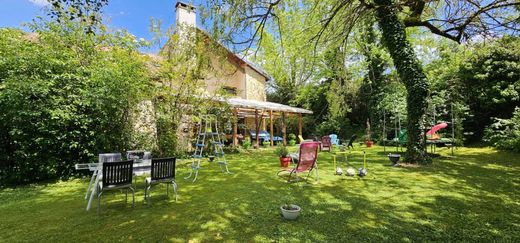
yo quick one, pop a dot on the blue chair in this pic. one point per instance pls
(334, 139)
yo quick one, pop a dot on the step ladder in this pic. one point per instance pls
(209, 136)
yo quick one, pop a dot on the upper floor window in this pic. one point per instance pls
(230, 90)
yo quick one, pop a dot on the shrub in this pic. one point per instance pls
(246, 144)
(65, 96)
(266, 143)
(505, 133)
(292, 139)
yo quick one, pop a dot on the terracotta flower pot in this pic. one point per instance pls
(285, 161)
(369, 143)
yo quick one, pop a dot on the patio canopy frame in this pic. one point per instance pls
(261, 110)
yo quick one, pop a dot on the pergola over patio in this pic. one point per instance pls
(260, 110)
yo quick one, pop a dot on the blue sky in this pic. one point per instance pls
(132, 15)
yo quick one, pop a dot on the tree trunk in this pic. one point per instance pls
(410, 72)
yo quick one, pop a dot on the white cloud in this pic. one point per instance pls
(40, 3)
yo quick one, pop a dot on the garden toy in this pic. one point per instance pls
(307, 160)
(350, 171)
(363, 171)
(339, 171)
(436, 128)
(211, 130)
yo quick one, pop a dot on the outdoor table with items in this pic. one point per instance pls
(140, 165)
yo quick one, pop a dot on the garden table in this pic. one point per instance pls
(140, 166)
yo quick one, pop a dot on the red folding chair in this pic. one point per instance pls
(306, 161)
(326, 143)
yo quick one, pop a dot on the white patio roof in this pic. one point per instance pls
(263, 105)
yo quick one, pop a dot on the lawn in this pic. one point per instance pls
(472, 196)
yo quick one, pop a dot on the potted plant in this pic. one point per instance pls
(283, 153)
(290, 211)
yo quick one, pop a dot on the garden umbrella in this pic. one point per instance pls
(437, 128)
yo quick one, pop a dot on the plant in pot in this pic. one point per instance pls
(283, 153)
(290, 211)
(368, 140)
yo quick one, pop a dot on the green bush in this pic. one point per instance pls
(246, 144)
(505, 133)
(292, 139)
(266, 143)
(65, 96)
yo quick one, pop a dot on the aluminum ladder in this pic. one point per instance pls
(208, 136)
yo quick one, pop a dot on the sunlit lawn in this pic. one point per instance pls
(473, 196)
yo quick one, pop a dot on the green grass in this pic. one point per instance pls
(472, 196)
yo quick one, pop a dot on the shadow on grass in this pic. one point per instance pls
(469, 197)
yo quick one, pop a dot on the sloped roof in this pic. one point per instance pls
(263, 105)
(244, 60)
(252, 65)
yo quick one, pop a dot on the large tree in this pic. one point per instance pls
(456, 20)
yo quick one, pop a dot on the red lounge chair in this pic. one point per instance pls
(307, 160)
(326, 143)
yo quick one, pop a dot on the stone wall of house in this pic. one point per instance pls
(225, 73)
(255, 85)
(145, 130)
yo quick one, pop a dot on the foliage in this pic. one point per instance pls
(246, 144)
(471, 197)
(282, 151)
(87, 12)
(65, 96)
(179, 100)
(410, 72)
(490, 77)
(292, 139)
(505, 133)
(266, 143)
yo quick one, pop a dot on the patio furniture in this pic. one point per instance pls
(97, 168)
(326, 143)
(302, 140)
(116, 175)
(139, 156)
(334, 139)
(162, 171)
(107, 157)
(351, 141)
(307, 160)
